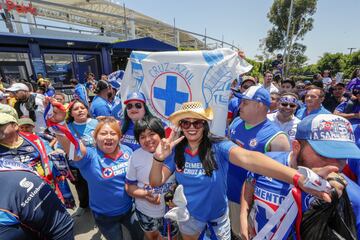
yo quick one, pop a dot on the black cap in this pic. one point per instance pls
(101, 85)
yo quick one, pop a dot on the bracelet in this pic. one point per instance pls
(296, 179)
(158, 160)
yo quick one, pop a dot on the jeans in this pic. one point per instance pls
(111, 226)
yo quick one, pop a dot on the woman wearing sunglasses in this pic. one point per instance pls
(135, 109)
(284, 118)
(200, 162)
(104, 168)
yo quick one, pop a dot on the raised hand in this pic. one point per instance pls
(166, 145)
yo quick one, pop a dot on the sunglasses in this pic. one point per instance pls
(291, 105)
(136, 105)
(184, 124)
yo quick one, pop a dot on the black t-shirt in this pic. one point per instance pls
(30, 209)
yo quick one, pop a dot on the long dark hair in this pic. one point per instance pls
(206, 153)
(126, 121)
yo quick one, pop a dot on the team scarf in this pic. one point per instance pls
(290, 209)
(58, 128)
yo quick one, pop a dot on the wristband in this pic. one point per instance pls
(296, 178)
(158, 160)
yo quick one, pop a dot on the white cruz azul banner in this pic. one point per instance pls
(169, 79)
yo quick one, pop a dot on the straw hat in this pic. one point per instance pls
(191, 110)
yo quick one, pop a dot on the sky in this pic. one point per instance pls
(244, 22)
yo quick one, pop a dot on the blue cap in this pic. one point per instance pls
(259, 94)
(135, 96)
(329, 135)
(307, 82)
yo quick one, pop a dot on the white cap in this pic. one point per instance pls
(17, 87)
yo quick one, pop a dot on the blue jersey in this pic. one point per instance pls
(302, 113)
(28, 202)
(269, 193)
(206, 196)
(100, 107)
(255, 139)
(106, 181)
(354, 109)
(128, 138)
(84, 131)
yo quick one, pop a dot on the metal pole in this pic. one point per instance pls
(205, 40)
(351, 49)
(125, 26)
(286, 50)
(175, 40)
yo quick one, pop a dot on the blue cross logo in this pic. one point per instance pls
(107, 172)
(170, 95)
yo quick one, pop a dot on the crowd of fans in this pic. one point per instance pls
(129, 163)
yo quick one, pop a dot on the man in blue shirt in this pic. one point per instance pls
(351, 109)
(321, 140)
(253, 131)
(101, 105)
(313, 103)
(80, 91)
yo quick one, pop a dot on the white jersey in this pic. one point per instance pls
(139, 171)
(288, 127)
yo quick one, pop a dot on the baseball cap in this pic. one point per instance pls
(329, 135)
(6, 118)
(4, 108)
(259, 94)
(26, 121)
(135, 96)
(307, 82)
(17, 87)
(101, 85)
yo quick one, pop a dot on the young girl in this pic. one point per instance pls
(149, 202)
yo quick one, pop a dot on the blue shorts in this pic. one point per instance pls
(149, 224)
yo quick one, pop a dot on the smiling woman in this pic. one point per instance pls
(104, 168)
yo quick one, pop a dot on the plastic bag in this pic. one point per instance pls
(330, 221)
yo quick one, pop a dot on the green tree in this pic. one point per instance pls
(335, 62)
(301, 23)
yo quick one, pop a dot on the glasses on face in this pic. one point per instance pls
(291, 105)
(184, 124)
(136, 105)
(356, 92)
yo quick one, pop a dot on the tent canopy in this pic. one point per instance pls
(144, 44)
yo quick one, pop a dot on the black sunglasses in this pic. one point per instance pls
(136, 105)
(184, 124)
(291, 105)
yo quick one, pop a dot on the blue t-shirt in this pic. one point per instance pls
(302, 113)
(84, 131)
(100, 107)
(255, 139)
(128, 138)
(106, 181)
(355, 109)
(206, 196)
